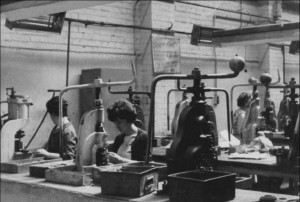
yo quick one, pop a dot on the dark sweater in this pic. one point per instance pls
(69, 142)
(138, 146)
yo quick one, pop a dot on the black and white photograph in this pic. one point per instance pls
(149, 101)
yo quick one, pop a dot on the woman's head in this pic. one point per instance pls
(244, 99)
(121, 109)
(123, 114)
(53, 107)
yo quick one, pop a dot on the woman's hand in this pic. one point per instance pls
(115, 158)
(46, 154)
(42, 152)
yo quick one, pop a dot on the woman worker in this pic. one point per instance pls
(69, 142)
(243, 101)
(131, 144)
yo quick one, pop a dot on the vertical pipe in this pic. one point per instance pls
(283, 63)
(168, 106)
(68, 53)
(215, 67)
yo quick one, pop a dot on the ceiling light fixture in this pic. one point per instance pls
(49, 23)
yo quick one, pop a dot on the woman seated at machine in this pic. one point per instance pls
(131, 144)
(69, 140)
(243, 101)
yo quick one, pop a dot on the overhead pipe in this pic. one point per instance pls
(130, 91)
(225, 10)
(96, 23)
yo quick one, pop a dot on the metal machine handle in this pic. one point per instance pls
(148, 184)
(129, 91)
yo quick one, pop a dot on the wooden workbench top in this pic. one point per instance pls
(23, 187)
(266, 166)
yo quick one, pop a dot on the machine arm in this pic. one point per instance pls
(130, 91)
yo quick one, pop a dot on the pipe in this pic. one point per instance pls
(180, 88)
(227, 105)
(283, 63)
(152, 107)
(129, 91)
(168, 106)
(97, 83)
(285, 86)
(90, 22)
(221, 9)
(68, 53)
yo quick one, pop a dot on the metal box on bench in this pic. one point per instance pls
(201, 186)
(134, 181)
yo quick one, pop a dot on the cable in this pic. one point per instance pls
(36, 131)
(39, 125)
(231, 11)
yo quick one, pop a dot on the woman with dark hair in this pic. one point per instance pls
(131, 144)
(243, 101)
(69, 139)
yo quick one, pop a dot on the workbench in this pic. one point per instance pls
(264, 167)
(24, 188)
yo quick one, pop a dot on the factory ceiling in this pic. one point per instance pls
(23, 9)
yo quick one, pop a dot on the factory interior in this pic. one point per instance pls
(150, 100)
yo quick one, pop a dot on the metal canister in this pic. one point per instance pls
(18, 107)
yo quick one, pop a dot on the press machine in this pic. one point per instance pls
(288, 109)
(91, 133)
(195, 142)
(269, 117)
(11, 129)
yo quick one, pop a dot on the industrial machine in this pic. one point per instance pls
(92, 145)
(257, 118)
(288, 109)
(91, 133)
(12, 127)
(269, 121)
(195, 141)
(136, 101)
(251, 82)
(251, 120)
